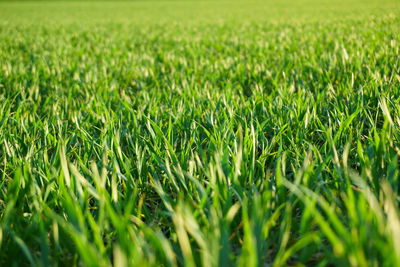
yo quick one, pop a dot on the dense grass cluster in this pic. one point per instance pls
(200, 133)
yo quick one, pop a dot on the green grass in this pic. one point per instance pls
(204, 133)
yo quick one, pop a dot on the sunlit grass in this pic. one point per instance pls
(200, 133)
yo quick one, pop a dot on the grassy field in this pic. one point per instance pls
(207, 133)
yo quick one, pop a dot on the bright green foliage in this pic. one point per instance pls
(200, 133)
